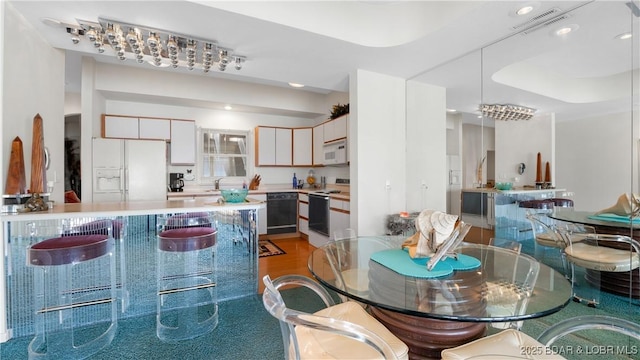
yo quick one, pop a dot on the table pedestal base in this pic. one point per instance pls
(425, 337)
(616, 282)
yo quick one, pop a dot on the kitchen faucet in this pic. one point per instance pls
(217, 183)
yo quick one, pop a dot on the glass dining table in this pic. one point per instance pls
(431, 311)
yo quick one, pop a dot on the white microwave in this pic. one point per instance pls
(335, 153)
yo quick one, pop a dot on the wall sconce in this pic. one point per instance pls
(157, 47)
(507, 112)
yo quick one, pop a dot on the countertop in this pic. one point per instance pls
(132, 208)
(207, 191)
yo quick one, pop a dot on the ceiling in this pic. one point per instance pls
(319, 43)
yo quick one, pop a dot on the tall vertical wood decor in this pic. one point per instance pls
(16, 178)
(38, 170)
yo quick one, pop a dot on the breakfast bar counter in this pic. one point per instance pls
(136, 249)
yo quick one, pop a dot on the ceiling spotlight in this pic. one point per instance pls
(74, 35)
(296, 85)
(238, 64)
(565, 30)
(228, 107)
(624, 36)
(524, 10)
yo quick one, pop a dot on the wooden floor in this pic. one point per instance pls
(293, 262)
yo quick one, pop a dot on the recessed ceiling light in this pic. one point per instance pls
(565, 30)
(524, 10)
(228, 107)
(624, 36)
(295, 85)
(451, 110)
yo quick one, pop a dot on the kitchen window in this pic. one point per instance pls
(223, 154)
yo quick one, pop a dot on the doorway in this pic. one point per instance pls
(72, 180)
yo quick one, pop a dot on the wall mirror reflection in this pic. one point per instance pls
(576, 66)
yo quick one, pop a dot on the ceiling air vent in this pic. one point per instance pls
(545, 24)
(534, 20)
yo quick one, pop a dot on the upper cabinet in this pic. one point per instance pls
(336, 129)
(302, 147)
(154, 129)
(120, 127)
(274, 146)
(183, 142)
(131, 127)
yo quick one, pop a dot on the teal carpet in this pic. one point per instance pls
(245, 331)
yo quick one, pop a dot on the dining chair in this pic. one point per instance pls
(352, 271)
(514, 344)
(547, 237)
(595, 255)
(505, 296)
(339, 331)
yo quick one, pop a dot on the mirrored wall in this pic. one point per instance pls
(576, 65)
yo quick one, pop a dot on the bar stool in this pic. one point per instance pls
(118, 228)
(541, 239)
(561, 202)
(186, 278)
(75, 296)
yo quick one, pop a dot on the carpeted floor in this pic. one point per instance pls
(247, 331)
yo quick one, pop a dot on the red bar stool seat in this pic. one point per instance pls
(187, 304)
(75, 296)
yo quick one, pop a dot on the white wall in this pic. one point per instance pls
(32, 85)
(594, 159)
(378, 137)
(426, 145)
(519, 142)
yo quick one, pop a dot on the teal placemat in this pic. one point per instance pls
(614, 218)
(399, 261)
(464, 262)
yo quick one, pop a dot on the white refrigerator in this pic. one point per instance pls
(129, 170)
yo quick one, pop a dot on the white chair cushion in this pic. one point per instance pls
(509, 342)
(602, 258)
(547, 240)
(356, 280)
(315, 344)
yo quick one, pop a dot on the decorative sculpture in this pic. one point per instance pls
(38, 167)
(625, 206)
(437, 235)
(16, 178)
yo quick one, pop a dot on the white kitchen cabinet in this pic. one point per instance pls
(303, 147)
(154, 129)
(266, 145)
(262, 213)
(120, 127)
(335, 129)
(318, 145)
(339, 215)
(274, 146)
(183, 142)
(303, 213)
(284, 146)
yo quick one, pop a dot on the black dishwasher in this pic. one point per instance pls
(282, 212)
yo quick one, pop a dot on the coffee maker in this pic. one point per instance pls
(176, 182)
